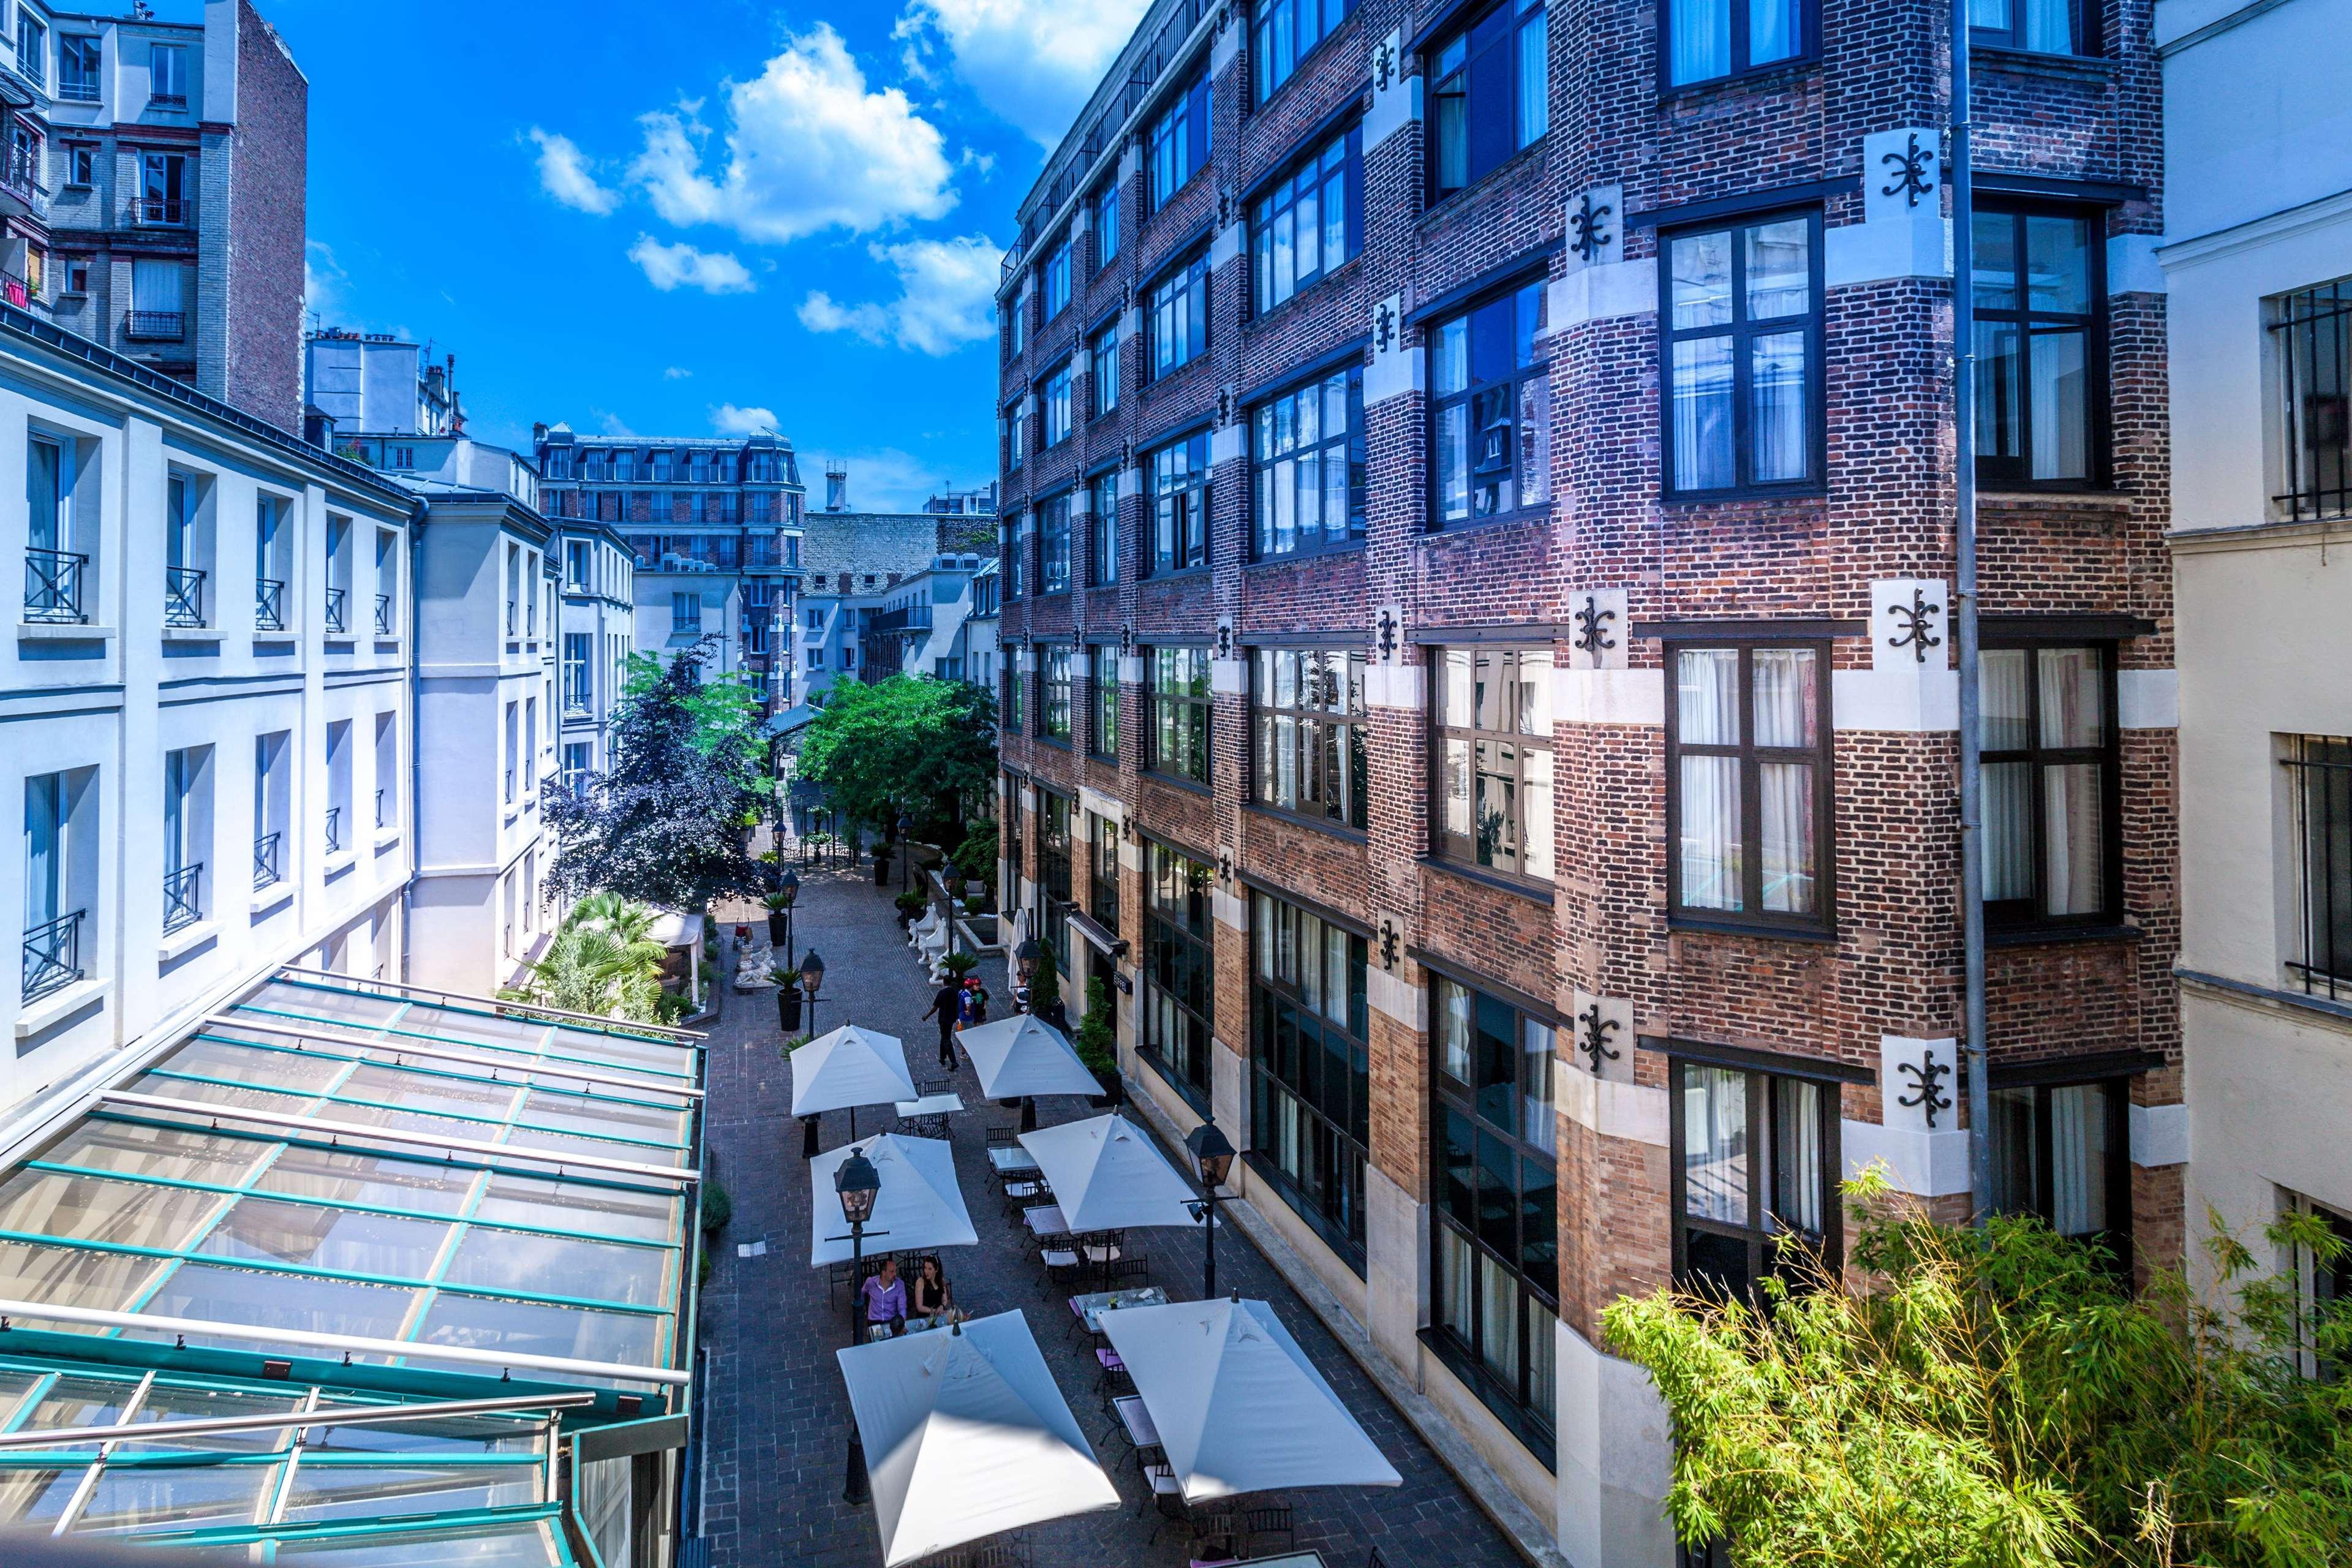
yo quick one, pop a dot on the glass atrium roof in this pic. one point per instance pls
(338, 1192)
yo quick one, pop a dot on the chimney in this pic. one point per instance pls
(836, 489)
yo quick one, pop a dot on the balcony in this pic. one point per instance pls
(53, 587)
(183, 596)
(379, 811)
(268, 604)
(53, 955)
(20, 176)
(183, 903)
(383, 614)
(339, 612)
(163, 212)
(335, 830)
(78, 89)
(268, 865)
(155, 326)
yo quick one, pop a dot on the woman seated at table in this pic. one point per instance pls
(886, 1299)
(931, 1298)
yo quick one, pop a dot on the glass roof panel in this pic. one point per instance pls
(455, 1023)
(343, 1239)
(81, 1401)
(87, 1208)
(525, 1327)
(599, 1148)
(382, 1181)
(431, 1091)
(625, 1050)
(349, 1491)
(580, 1205)
(605, 1117)
(498, 1546)
(170, 1153)
(253, 1063)
(326, 1002)
(167, 1402)
(552, 1266)
(244, 1096)
(137, 1501)
(408, 1121)
(456, 1436)
(63, 1277)
(223, 1295)
(13, 1387)
(36, 1497)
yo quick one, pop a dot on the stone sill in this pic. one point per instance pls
(46, 631)
(192, 633)
(273, 897)
(59, 1006)
(186, 940)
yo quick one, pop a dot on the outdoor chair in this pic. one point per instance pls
(1013, 1553)
(1131, 1272)
(1102, 1249)
(1167, 1496)
(1024, 1192)
(1376, 1559)
(1004, 1137)
(1262, 1520)
(1061, 1260)
(1112, 1383)
(926, 1086)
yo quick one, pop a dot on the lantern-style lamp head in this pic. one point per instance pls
(1024, 957)
(812, 973)
(856, 1181)
(790, 888)
(1212, 1152)
(906, 824)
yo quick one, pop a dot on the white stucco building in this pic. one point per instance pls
(2258, 262)
(208, 727)
(597, 623)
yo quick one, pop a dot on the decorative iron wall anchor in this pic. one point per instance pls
(1910, 180)
(1126, 638)
(1384, 328)
(1915, 622)
(1388, 944)
(1925, 1072)
(1587, 221)
(1589, 635)
(1592, 1032)
(1225, 639)
(1388, 636)
(1224, 865)
(1384, 64)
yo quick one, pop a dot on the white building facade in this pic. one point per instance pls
(2258, 263)
(206, 702)
(597, 625)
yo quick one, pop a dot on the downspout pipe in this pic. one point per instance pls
(416, 733)
(1964, 503)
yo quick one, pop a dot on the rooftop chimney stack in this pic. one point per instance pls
(836, 489)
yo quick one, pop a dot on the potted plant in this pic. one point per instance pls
(788, 999)
(777, 904)
(881, 865)
(911, 904)
(1097, 1043)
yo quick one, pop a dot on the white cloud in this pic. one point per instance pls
(565, 174)
(947, 297)
(885, 479)
(728, 420)
(808, 146)
(609, 423)
(668, 266)
(677, 373)
(1033, 62)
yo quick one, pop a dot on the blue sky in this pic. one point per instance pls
(697, 216)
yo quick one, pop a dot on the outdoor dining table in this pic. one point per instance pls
(931, 1105)
(1091, 1306)
(1136, 1420)
(1046, 1220)
(1011, 1159)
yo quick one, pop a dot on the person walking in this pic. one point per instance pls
(947, 1006)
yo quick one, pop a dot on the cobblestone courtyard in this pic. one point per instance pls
(776, 1416)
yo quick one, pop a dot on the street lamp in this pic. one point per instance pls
(856, 1183)
(906, 847)
(789, 889)
(812, 978)
(1213, 1156)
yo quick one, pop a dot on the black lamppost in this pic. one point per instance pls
(856, 1182)
(906, 849)
(1213, 1155)
(812, 980)
(789, 889)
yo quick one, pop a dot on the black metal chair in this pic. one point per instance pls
(1131, 1271)
(1003, 1138)
(1261, 1520)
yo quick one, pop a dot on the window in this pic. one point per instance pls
(2311, 340)
(1053, 279)
(162, 189)
(54, 589)
(1179, 504)
(1495, 1284)
(1054, 880)
(1103, 361)
(2045, 27)
(158, 303)
(1309, 222)
(1016, 319)
(273, 559)
(575, 672)
(1742, 325)
(272, 799)
(1024, 528)
(685, 613)
(1755, 1172)
(1492, 96)
(1177, 142)
(1102, 551)
(1284, 31)
(1180, 316)
(575, 564)
(167, 76)
(54, 907)
(77, 68)
(1054, 400)
(2040, 348)
(514, 590)
(1307, 462)
(1491, 410)
(184, 551)
(1102, 873)
(529, 747)
(1056, 706)
(186, 831)
(1016, 719)
(32, 40)
(2321, 773)
(387, 769)
(1179, 970)
(1310, 1069)
(1180, 713)
(514, 750)
(2051, 851)
(1008, 429)
(576, 767)
(1749, 805)
(1106, 224)
(2063, 1150)
(1710, 40)
(1103, 737)
(81, 169)
(1308, 734)
(1493, 732)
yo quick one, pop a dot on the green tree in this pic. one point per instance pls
(726, 715)
(911, 742)
(2003, 1399)
(592, 967)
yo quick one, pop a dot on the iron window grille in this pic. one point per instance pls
(1307, 464)
(2311, 335)
(268, 604)
(1179, 971)
(1492, 96)
(379, 810)
(53, 955)
(267, 867)
(2320, 772)
(1740, 318)
(383, 614)
(1750, 802)
(1310, 223)
(1102, 531)
(1491, 753)
(338, 609)
(2062, 1152)
(1310, 1069)
(1177, 144)
(53, 587)
(1285, 32)
(1494, 1241)
(1310, 738)
(2040, 348)
(1707, 40)
(1490, 411)
(1054, 544)
(183, 596)
(1055, 715)
(1753, 1168)
(184, 903)
(1180, 700)
(1178, 312)
(334, 829)
(1179, 476)
(2053, 790)
(1103, 736)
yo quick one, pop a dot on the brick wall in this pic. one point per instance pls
(262, 363)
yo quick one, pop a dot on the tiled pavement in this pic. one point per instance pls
(776, 1419)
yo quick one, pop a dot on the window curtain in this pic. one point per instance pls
(43, 477)
(1777, 400)
(1499, 1311)
(1454, 1031)
(1771, 31)
(1538, 1123)
(156, 286)
(1700, 45)
(1714, 1143)
(1535, 57)
(1708, 714)
(1787, 713)
(2072, 689)
(2050, 26)
(1797, 1197)
(2007, 787)
(1457, 1308)
(1702, 413)
(2078, 1159)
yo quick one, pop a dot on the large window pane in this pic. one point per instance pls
(1714, 1143)
(1703, 428)
(345, 1240)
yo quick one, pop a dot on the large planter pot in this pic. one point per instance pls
(788, 1009)
(775, 929)
(881, 870)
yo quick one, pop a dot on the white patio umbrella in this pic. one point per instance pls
(1108, 1174)
(1239, 1406)
(849, 1067)
(919, 1206)
(1023, 1057)
(967, 1436)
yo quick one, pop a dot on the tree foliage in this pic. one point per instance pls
(665, 824)
(911, 742)
(602, 962)
(726, 715)
(2003, 1400)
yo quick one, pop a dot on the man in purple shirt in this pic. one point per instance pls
(885, 1299)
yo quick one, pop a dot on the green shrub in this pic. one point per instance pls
(718, 1207)
(1096, 1042)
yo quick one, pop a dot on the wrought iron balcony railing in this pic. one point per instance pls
(379, 810)
(53, 955)
(335, 830)
(338, 609)
(267, 864)
(268, 604)
(183, 903)
(155, 326)
(20, 175)
(183, 596)
(383, 614)
(161, 212)
(53, 586)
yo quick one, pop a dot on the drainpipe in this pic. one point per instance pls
(1964, 502)
(415, 732)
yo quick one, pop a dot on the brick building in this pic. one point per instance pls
(1477, 505)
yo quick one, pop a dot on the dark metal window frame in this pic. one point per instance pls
(1341, 750)
(2116, 1239)
(2315, 418)
(2109, 755)
(1102, 873)
(2081, 38)
(1742, 332)
(1821, 756)
(1056, 412)
(1346, 1126)
(1180, 505)
(1187, 712)
(1184, 131)
(1305, 172)
(1054, 573)
(1762, 1238)
(1102, 732)
(1350, 445)
(2320, 773)
(1265, 16)
(1053, 279)
(1439, 730)
(1179, 951)
(1807, 52)
(1054, 884)
(1433, 52)
(1188, 280)
(2016, 473)
(1102, 370)
(1054, 710)
(1468, 398)
(1102, 531)
(1103, 208)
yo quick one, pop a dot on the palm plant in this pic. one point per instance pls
(602, 962)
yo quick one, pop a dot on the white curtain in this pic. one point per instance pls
(1457, 1299)
(1702, 413)
(156, 285)
(1700, 46)
(1777, 404)
(1498, 1307)
(2006, 726)
(1539, 1122)
(1797, 1197)
(1771, 30)
(1454, 1031)
(1536, 812)
(1785, 810)
(2072, 839)
(1714, 1143)
(2078, 1159)
(1708, 714)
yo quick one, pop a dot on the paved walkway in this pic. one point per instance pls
(776, 1419)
